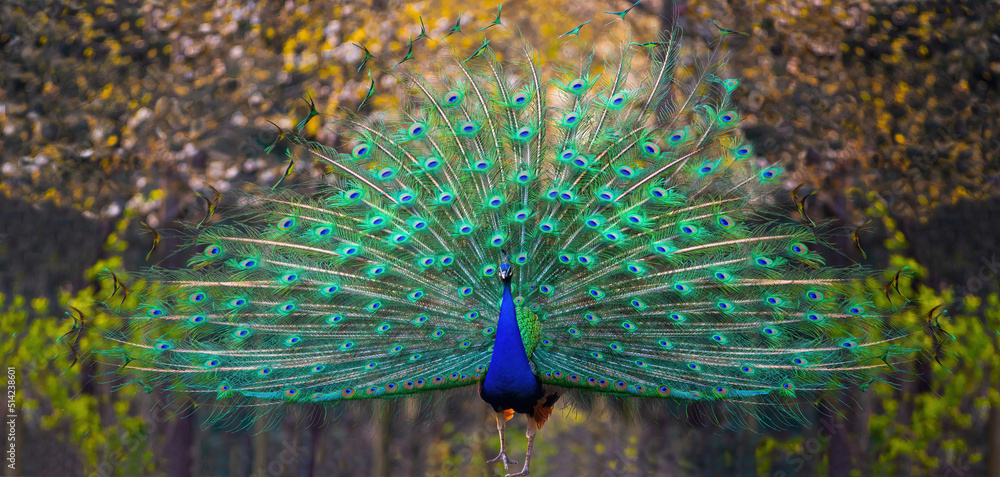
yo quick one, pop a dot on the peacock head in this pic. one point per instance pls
(505, 271)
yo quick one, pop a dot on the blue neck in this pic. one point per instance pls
(509, 374)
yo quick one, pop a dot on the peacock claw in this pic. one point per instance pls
(503, 458)
(523, 473)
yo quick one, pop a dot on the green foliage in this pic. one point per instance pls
(109, 438)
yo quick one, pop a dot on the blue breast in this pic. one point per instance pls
(509, 383)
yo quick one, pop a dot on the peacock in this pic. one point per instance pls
(607, 231)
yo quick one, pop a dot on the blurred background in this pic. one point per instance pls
(114, 113)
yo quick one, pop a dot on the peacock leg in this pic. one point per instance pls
(532, 429)
(501, 423)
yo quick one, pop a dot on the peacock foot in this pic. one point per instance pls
(522, 473)
(503, 458)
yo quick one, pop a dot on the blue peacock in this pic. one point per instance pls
(587, 234)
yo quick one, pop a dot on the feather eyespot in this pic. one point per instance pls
(469, 127)
(416, 130)
(213, 251)
(361, 150)
(651, 148)
(197, 319)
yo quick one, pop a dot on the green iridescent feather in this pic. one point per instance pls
(641, 225)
